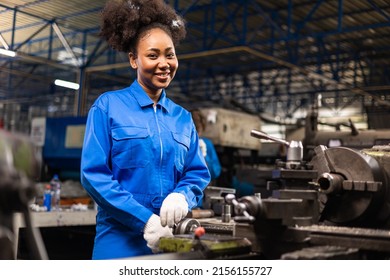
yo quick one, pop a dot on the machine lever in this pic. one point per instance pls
(262, 135)
(242, 215)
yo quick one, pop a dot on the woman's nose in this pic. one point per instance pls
(164, 64)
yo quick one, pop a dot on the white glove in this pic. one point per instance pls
(153, 231)
(173, 209)
(203, 147)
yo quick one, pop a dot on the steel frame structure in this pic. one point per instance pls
(273, 58)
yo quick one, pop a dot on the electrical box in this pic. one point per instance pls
(231, 128)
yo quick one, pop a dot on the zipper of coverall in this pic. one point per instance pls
(161, 145)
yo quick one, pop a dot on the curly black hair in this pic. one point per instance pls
(124, 21)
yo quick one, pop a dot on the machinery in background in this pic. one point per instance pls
(229, 128)
(354, 138)
(60, 141)
(335, 206)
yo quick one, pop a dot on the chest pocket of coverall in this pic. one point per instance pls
(131, 147)
(181, 150)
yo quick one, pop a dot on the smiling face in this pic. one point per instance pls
(155, 61)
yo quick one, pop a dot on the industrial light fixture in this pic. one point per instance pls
(66, 84)
(7, 52)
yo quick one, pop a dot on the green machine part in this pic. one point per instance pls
(215, 245)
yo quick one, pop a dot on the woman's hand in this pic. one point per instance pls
(153, 231)
(173, 209)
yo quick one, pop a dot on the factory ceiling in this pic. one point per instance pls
(274, 58)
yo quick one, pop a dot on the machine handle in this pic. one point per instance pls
(262, 135)
(242, 215)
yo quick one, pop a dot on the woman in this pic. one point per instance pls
(141, 160)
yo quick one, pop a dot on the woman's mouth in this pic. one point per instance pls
(163, 75)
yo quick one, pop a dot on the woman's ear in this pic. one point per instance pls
(132, 60)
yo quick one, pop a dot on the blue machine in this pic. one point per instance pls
(62, 146)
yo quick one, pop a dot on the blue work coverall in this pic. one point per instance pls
(134, 155)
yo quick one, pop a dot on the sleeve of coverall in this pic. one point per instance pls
(196, 175)
(96, 174)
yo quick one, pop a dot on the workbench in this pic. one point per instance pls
(64, 218)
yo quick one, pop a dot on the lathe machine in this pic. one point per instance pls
(336, 206)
